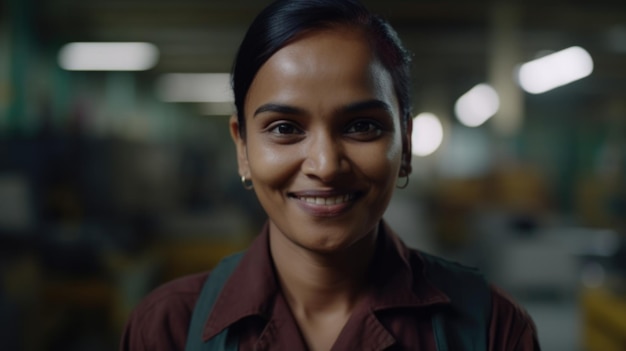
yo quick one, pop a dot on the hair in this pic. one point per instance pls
(279, 23)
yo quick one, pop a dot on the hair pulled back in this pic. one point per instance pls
(283, 20)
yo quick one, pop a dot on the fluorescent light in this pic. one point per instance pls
(555, 70)
(427, 134)
(195, 87)
(108, 56)
(477, 105)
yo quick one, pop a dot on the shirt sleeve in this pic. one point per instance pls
(511, 327)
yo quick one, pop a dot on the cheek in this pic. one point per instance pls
(381, 164)
(271, 166)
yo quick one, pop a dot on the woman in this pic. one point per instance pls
(322, 136)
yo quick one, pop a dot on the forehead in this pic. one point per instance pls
(325, 66)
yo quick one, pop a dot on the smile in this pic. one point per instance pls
(326, 200)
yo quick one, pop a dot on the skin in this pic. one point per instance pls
(323, 148)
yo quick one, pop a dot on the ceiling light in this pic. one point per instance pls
(195, 87)
(108, 56)
(477, 105)
(555, 70)
(427, 134)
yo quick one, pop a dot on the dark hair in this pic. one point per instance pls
(283, 20)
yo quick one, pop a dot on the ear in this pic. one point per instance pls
(240, 145)
(406, 167)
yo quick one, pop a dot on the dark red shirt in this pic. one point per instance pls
(397, 314)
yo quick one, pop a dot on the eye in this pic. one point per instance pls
(364, 128)
(283, 131)
(284, 128)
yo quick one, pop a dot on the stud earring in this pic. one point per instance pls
(247, 183)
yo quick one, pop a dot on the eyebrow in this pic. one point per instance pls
(373, 104)
(279, 108)
(355, 107)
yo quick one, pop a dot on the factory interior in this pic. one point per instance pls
(114, 180)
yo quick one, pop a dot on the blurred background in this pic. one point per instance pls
(117, 172)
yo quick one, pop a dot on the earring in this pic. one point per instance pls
(403, 174)
(247, 183)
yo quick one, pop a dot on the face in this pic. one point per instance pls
(324, 142)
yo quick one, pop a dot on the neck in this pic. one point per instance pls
(322, 283)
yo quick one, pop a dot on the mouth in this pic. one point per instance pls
(324, 204)
(326, 200)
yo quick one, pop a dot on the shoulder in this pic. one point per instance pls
(164, 316)
(176, 296)
(453, 278)
(511, 327)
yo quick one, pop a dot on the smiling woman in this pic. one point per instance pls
(309, 143)
(322, 133)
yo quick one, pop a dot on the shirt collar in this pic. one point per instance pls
(249, 291)
(398, 281)
(399, 276)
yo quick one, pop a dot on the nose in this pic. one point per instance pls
(325, 158)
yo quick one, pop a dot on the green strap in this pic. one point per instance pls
(465, 325)
(439, 330)
(210, 291)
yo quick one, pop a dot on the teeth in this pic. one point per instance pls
(327, 200)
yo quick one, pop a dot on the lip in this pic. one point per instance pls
(324, 203)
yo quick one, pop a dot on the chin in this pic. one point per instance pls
(330, 243)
